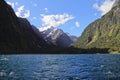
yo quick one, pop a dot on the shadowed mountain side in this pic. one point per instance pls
(72, 50)
(17, 34)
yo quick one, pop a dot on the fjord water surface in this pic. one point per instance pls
(60, 67)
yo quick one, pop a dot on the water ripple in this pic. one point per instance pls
(59, 67)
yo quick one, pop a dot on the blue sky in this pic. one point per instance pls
(72, 16)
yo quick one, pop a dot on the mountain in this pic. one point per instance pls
(16, 34)
(104, 33)
(57, 37)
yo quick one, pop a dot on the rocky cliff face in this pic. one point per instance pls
(104, 32)
(16, 34)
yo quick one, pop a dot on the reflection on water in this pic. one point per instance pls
(60, 67)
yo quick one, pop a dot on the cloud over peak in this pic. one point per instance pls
(11, 3)
(54, 20)
(27, 14)
(21, 12)
(104, 7)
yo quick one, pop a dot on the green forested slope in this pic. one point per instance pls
(103, 33)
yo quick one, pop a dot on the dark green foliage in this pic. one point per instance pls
(72, 50)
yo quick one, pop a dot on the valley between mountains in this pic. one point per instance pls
(17, 35)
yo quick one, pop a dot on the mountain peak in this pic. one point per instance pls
(46, 28)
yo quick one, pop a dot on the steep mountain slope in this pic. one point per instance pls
(58, 38)
(17, 34)
(103, 33)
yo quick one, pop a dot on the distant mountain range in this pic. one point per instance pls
(57, 37)
(104, 33)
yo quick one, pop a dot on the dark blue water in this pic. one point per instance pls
(60, 67)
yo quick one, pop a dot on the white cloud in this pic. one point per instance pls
(27, 14)
(21, 12)
(11, 3)
(44, 28)
(54, 20)
(104, 7)
(46, 9)
(77, 24)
